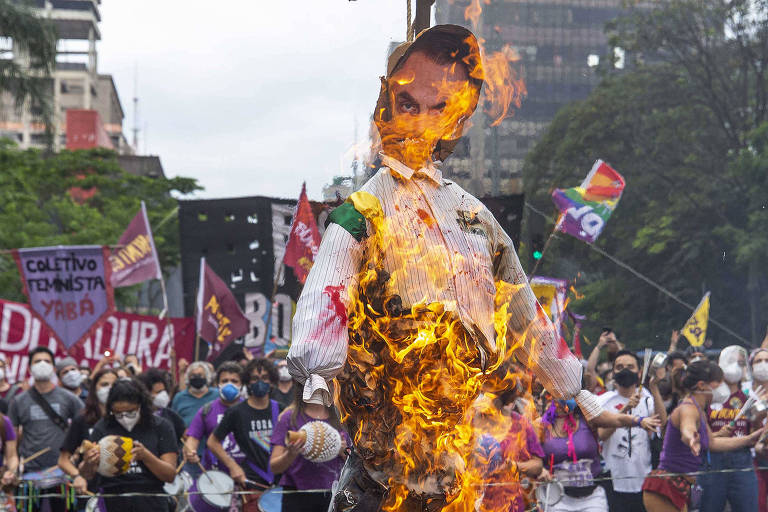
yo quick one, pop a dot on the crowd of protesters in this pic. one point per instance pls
(673, 442)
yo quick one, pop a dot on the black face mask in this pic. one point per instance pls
(626, 378)
(197, 382)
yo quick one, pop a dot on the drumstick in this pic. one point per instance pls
(36, 455)
(205, 472)
(178, 469)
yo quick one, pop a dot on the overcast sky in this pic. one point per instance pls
(249, 97)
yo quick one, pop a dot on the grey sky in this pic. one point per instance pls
(249, 97)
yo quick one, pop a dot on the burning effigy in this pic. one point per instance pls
(417, 305)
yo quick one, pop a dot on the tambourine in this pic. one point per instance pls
(322, 442)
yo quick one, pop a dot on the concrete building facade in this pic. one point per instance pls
(560, 43)
(76, 82)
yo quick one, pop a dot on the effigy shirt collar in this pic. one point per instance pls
(430, 171)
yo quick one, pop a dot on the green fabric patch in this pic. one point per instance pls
(350, 219)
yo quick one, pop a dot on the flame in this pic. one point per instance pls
(417, 391)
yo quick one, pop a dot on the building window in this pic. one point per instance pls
(618, 54)
(593, 60)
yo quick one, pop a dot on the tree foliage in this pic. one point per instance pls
(37, 206)
(687, 128)
(27, 76)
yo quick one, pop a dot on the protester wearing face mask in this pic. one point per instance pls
(43, 413)
(758, 365)
(688, 438)
(284, 391)
(229, 379)
(251, 422)
(158, 383)
(70, 377)
(186, 403)
(82, 425)
(627, 451)
(738, 488)
(131, 362)
(572, 453)
(129, 414)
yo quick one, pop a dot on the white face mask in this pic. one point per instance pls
(161, 400)
(129, 420)
(733, 373)
(102, 394)
(41, 371)
(721, 393)
(760, 371)
(72, 379)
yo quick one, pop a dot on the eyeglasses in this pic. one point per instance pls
(127, 414)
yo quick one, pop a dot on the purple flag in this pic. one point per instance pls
(68, 288)
(219, 317)
(136, 260)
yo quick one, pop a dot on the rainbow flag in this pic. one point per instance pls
(585, 209)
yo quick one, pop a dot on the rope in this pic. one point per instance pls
(318, 491)
(409, 27)
(646, 279)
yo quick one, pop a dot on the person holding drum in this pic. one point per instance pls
(301, 468)
(229, 379)
(150, 460)
(82, 425)
(251, 422)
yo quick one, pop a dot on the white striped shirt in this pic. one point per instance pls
(433, 223)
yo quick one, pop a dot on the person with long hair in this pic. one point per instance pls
(688, 438)
(572, 452)
(82, 425)
(153, 456)
(758, 367)
(738, 488)
(300, 473)
(158, 383)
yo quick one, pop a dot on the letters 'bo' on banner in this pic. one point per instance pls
(585, 209)
(68, 288)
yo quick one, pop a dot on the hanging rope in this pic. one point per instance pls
(409, 28)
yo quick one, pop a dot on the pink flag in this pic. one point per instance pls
(136, 260)
(304, 240)
(219, 317)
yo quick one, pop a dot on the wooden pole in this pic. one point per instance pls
(543, 251)
(169, 329)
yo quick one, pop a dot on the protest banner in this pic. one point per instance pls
(68, 288)
(121, 333)
(585, 209)
(304, 240)
(695, 329)
(219, 317)
(135, 260)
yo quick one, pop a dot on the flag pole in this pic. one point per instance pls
(169, 330)
(546, 246)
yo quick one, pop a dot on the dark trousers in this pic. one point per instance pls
(306, 501)
(625, 502)
(359, 492)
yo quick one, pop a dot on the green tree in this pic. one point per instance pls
(26, 76)
(37, 206)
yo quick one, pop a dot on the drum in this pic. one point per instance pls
(211, 492)
(45, 479)
(95, 504)
(550, 493)
(182, 483)
(271, 500)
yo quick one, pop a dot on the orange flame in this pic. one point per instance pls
(417, 390)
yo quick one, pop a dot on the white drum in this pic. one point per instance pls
(550, 493)
(211, 492)
(182, 483)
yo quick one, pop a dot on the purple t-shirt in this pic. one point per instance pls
(10, 435)
(584, 441)
(303, 474)
(201, 427)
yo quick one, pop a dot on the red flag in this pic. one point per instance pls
(304, 240)
(136, 260)
(219, 317)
